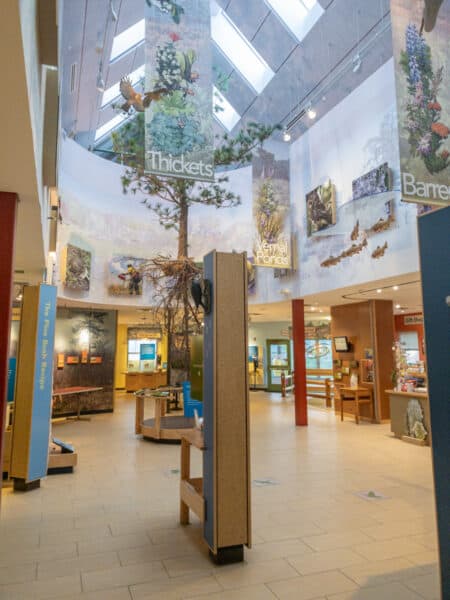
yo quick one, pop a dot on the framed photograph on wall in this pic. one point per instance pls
(320, 208)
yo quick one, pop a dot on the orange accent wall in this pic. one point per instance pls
(400, 327)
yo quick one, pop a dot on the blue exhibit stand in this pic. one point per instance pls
(11, 378)
(434, 238)
(189, 403)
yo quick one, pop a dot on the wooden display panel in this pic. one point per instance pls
(226, 410)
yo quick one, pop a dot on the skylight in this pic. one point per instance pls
(228, 116)
(129, 38)
(113, 92)
(238, 49)
(299, 16)
(109, 126)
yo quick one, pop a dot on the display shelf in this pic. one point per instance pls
(191, 489)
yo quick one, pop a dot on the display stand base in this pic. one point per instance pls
(415, 441)
(20, 485)
(228, 556)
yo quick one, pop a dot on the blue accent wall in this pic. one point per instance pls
(434, 237)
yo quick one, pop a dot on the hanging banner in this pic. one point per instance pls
(421, 33)
(179, 139)
(271, 211)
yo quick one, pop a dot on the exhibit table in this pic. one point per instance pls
(160, 428)
(358, 395)
(137, 380)
(77, 391)
(410, 416)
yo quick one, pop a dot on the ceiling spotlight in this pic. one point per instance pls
(356, 62)
(397, 306)
(395, 288)
(312, 114)
(379, 290)
(286, 136)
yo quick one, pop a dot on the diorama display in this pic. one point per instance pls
(125, 276)
(376, 181)
(320, 208)
(76, 268)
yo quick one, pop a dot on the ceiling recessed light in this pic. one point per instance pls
(379, 290)
(286, 136)
(395, 288)
(312, 114)
(397, 306)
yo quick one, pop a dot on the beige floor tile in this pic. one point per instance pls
(116, 594)
(312, 586)
(174, 589)
(122, 576)
(428, 586)
(151, 552)
(389, 591)
(113, 543)
(426, 560)
(383, 571)
(73, 566)
(40, 590)
(330, 560)
(331, 541)
(388, 549)
(399, 529)
(273, 550)
(236, 576)
(252, 592)
(428, 540)
(288, 532)
(187, 565)
(74, 535)
(19, 573)
(15, 556)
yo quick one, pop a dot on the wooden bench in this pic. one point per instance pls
(318, 384)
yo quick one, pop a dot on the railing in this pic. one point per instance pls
(318, 384)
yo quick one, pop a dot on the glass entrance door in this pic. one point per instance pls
(279, 360)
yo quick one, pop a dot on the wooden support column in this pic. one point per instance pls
(8, 207)
(298, 332)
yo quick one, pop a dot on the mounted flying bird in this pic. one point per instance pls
(139, 102)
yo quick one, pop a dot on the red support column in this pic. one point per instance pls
(8, 205)
(298, 332)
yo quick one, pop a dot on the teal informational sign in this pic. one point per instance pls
(148, 351)
(42, 389)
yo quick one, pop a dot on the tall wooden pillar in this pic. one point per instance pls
(298, 332)
(8, 208)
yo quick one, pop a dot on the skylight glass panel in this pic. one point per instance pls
(109, 126)
(129, 38)
(228, 116)
(113, 92)
(238, 49)
(299, 16)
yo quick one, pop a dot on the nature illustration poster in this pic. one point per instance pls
(421, 33)
(271, 202)
(179, 135)
(76, 268)
(321, 208)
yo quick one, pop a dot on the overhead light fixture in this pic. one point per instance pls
(100, 85)
(379, 290)
(357, 62)
(113, 12)
(397, 306)
(312, 114)
(286, 136)
(395, 288)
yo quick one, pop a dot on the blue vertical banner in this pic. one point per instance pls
(43, 382)
(11, 377)
(179, 138)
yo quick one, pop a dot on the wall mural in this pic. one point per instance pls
(368, 233)
(271, 211)
(77, 268)
(125, 276)
(179, 137)
(84, 356)
(422, 65)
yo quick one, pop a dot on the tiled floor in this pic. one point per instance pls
(110, 530)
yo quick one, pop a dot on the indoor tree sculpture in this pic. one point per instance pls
(170, 199)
